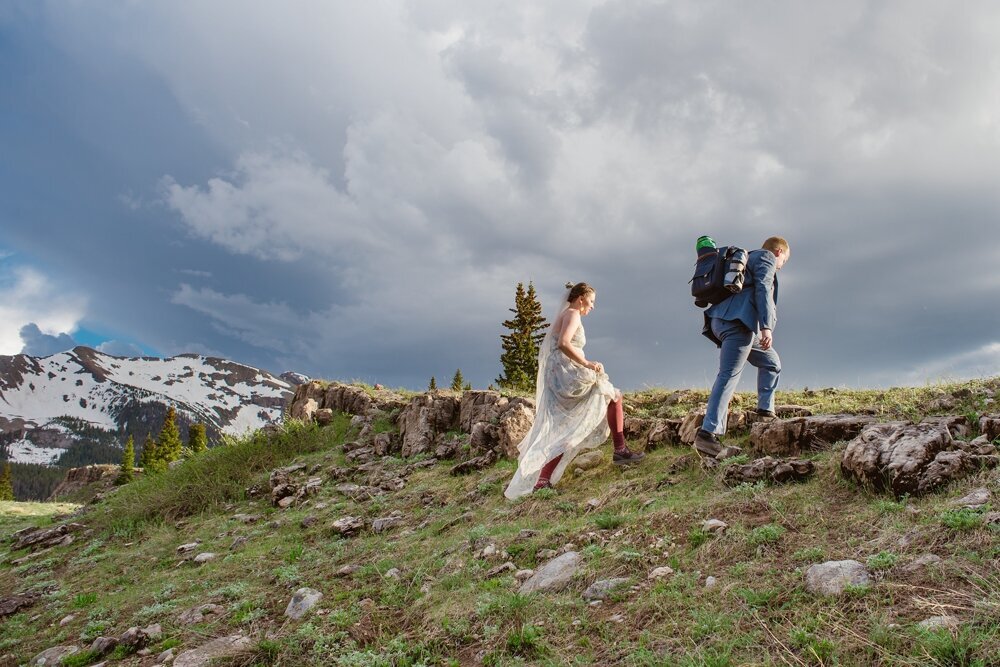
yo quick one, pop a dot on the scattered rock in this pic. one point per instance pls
(989, 425)
(714, 526)
(104, 645)
(347, 570)
(921, 563)
(387, 522)
(526, 533)
(247, 518)
(165, 657)
(200, 613)
(223, 647)
(554, 576)
(974, 500)
(832, 577)
(660, 572)
(768, 469)
(323, 416)
(934, 622)
(54, 655)
(393, 573)
(135, 638)
(302, 601)
(205, 557)
(185, 548)
(14, 603)
(500, 569)
(589, 459)
(348, 525)
(477, 463)
(711, 582)
(42, 538)
(153, 632)
(67, 620)
(524, 575)
(593, 504)
(602, 589)
(308, 521)
(239, 543)
(905, 458)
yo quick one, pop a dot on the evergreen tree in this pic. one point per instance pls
(128, 462)
(520, 346)
(150, 459)
(197, 439)
(6, 484)
(169, 444)
(467, 387)
(458, 381)
(432, 385)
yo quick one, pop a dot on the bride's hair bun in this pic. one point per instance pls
(577, 290)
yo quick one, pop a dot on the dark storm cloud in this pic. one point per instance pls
(354, 192)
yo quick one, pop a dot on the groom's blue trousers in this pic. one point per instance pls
(739, 345)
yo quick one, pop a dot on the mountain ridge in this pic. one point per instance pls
(51, 404)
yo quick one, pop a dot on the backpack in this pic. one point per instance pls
(719, 273)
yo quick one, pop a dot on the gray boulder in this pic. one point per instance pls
(302, 601)
(424, 418)
(602, 589)
(223, 647)
(905, 458)
(974, 500)
(555, 575)
(53, 656)
(832, 577)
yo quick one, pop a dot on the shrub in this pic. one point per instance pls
(768, 534)
(961, 519)
(883, 560)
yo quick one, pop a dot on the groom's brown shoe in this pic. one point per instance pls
(707, 444)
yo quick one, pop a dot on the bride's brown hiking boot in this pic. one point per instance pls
(627, 457)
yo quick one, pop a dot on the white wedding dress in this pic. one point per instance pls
(570, 415)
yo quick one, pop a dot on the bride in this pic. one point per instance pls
(576, 404)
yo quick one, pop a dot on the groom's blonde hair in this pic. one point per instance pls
(775, 243)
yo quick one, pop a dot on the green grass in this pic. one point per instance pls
(444, 609)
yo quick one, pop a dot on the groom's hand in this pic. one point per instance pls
(765, 339)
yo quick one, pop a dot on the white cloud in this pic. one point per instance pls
(28, 296)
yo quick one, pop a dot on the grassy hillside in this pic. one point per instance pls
(422, 594)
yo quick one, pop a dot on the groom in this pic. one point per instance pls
(742, 327)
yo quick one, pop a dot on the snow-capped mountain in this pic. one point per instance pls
(48, 405)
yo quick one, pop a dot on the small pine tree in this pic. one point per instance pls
(6, 484)
(457, 381)
(467, 387)
(128, 462)
(432, 385)
(197, 438)
(169, 443)
(150, 459)
(520, 346)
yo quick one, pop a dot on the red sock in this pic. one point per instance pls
(547, 470)
(616, 420)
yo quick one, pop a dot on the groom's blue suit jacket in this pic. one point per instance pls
(756, 305)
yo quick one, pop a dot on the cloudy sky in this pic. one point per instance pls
(352, 190)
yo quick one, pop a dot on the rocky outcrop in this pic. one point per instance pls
(792, 437)
(41, 538)
(89, 479)
(911, 458)
(426, 417)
